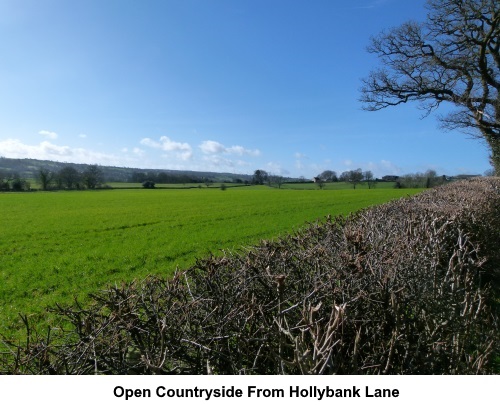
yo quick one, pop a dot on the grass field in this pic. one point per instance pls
(122, 185)
(55, 246)
(336, 186)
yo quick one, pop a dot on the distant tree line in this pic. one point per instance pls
(162, 177)
(150, 178)
(428, 179)
(12, 181)
(28, 169)
(261, 177)
(357, 176)
(69, 178)
(353, 177)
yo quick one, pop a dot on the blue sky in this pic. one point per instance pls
(217, 85)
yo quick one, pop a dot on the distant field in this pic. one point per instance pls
(55, 246)
(288, 186)
(123, 185)
(337, 186)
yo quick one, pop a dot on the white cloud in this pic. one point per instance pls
(169, 145)
(14, 148)
(275, 168)
(139, 152)
(55, 150)
(182, 150)
(218, 161)
(390, 167)
(149, 142)
(221, 163)
(48, 134)
(299, 157)
(214, 147)
(242, 163)
(379, 169)
(83, 136)
(180, 155)
(240, 150)
(210, 147)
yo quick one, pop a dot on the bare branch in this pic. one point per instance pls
(453, 57)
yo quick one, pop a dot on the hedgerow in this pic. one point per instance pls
(408, 287)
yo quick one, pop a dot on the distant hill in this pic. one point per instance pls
(28, 169)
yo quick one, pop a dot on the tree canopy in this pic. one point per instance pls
(260, 177)
(453, 57)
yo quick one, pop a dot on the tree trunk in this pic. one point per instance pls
(494, 145)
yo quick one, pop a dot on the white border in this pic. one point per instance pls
(89, 390)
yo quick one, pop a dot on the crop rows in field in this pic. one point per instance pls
(61, 245)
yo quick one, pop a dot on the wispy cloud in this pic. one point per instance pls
(379, 169)
(371, 4)
(219, 161)
(383, 167)
(217, 156)
(48, 134)
(277, 169)
(390, 167)
(214, 147)
(299, 158)
(139, 152)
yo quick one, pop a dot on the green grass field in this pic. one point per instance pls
(284, 186)
(336, 186)
(55, 246)
(121, 185)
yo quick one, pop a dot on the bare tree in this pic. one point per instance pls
(276, 179)
(344, 176)
(4, 181)
(430, 178)
(352, 176)
(453, 58)
(92, 176)
(45, 178)
(69, 177)
(368, 176)
(355, 177)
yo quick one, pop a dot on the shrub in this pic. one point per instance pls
(19, 184)
(148, 184)
(407, 287)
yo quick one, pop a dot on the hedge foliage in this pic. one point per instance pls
(408, 287)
